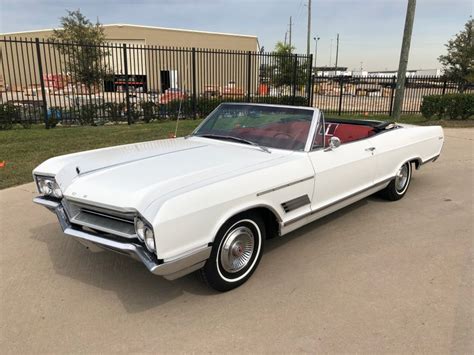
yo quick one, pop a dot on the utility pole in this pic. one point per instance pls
(286, 34)
(402, 65)
(330, 54)
(308, 38)
(337, 53)
(290, 31)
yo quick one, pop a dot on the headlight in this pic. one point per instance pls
(145, 234)
(149, 239)
(140, 229)
(48, 186)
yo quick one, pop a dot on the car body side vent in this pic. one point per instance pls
(295, 203)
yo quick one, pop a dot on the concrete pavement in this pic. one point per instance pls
(375, 277)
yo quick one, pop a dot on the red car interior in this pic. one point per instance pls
(347, 132)
(292, 135)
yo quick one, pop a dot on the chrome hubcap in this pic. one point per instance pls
(402, 178)
(237, 249)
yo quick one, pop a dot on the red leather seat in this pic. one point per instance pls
(352, 132)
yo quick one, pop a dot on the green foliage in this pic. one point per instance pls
(8, 113)
(85, 57)
(149, 109)
(452, 106)
(86, 114)
(458, 63)
(54, 116)
(282, 73)
(114, 111)
(135, 112)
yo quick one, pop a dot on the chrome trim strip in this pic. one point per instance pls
(430, 160)
(312, 130)
(285, 185)
(295, 203)
(110, 226)
(46, 203)
(294, 220)
(88, 204)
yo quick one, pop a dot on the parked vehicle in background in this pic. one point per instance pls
(211, 92)
(231, 89)
(172, 94)
(249, 172)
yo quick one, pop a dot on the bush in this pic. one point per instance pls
(54, 116)
(114, 111)
(8, 114)
(149, 110)
(87, 114)
(452, 106)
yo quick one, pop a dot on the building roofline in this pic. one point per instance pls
(142, 26)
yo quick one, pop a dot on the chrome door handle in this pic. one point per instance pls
(370, 149)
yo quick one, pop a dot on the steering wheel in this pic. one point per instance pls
(284, 135)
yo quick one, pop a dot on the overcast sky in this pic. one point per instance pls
(370, 30)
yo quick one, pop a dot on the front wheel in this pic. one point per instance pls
(236, 252)
(398, 186)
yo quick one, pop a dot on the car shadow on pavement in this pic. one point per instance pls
(277, 242)
(137, 289)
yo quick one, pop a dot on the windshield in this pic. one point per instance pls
(268, 126)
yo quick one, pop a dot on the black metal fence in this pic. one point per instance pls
(375, 95)
(46, 81)
(51, 82)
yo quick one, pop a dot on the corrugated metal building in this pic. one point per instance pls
(159, 73)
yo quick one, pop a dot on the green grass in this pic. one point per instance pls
(24, 149)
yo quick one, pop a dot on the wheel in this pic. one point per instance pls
(236, 252)
(398, 186)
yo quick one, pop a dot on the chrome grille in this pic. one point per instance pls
(101, 219)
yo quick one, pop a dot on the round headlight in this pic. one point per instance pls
(57, 192)
(149, 239)
(140, 229)
(46, 187)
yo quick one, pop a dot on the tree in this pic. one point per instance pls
(284, 69)
(458, 63)
(81, 42)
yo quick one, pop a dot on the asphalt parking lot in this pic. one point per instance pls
(376, 277)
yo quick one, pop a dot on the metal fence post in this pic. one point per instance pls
(295, 81)
(392, 93)
(194, 81)
(249, 74)
(127, 96)
(341, 87)
(445, 83)
(310, 80)
(43, 90)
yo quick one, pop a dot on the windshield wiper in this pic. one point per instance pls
(236, 139)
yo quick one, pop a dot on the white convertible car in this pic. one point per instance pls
(208, 201)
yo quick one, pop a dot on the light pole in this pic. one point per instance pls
(316, 39)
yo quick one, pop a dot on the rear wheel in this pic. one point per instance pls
(398, 186)
(236, 252)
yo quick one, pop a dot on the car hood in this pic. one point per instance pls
(135, 175)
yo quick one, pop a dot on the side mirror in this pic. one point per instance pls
(334, 142)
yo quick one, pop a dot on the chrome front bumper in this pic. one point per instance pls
(169, 269)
